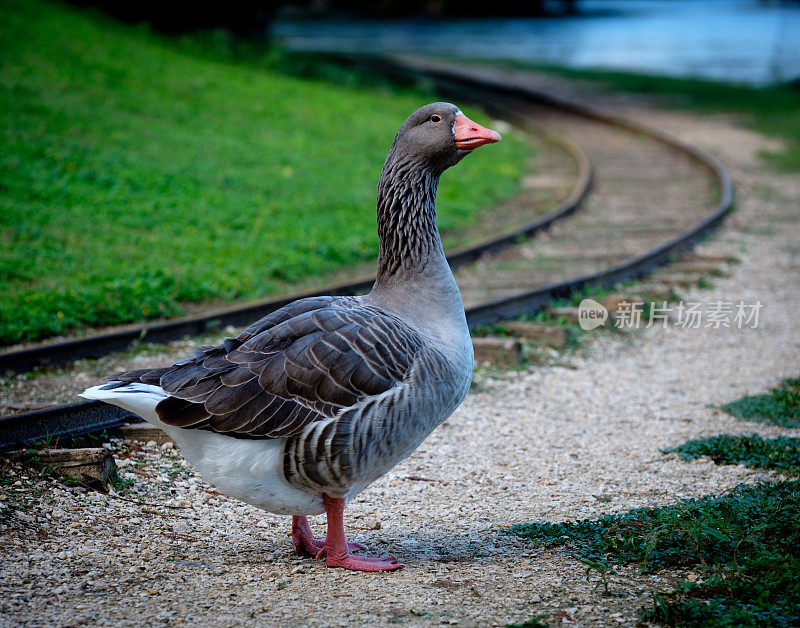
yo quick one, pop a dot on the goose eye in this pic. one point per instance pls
(436, 118)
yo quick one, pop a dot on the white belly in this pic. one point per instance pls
(248, 470)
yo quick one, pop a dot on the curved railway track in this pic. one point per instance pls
(653, 196)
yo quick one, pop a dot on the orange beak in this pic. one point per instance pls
(470, 135)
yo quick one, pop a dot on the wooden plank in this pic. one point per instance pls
(555, 337)
(94, 466)
(694, 266)
(570, 313)
(497, 351)
(676, 280)
(144, 433)
(612, 301)
(709, 257)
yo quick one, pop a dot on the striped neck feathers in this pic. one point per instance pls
(407, 232)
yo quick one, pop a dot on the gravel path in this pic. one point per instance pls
(552, 443)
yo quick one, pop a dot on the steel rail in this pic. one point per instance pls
(81, 418)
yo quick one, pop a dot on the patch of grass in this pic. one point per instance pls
(70, 442)
(774, 111)
(780, 406)
(123, 486)
(589, 291)
(782, 454)
(140, 173)
(704, 283)
(745, 546)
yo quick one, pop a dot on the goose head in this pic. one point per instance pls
(439, 135)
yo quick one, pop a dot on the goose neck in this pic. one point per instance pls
(407, 234)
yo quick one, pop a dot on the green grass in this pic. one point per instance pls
(744, 546)
(774, 110)
(782, 454)
(780, 406)
(704, 283)
(95, 439)
(139, 173)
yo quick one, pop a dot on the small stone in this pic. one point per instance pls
(180, 527)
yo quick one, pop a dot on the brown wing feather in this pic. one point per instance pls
(300, 364)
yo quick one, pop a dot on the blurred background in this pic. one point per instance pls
(748, 41)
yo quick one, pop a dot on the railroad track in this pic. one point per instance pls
(653, 196)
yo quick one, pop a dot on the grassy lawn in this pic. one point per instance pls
(140, 173)
(781, 453)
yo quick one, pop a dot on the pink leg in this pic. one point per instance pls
(336, 550)
(304, 542)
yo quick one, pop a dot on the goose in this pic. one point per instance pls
(314, 402)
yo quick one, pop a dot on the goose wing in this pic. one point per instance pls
(303, 363)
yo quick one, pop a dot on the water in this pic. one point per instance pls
(744, 41)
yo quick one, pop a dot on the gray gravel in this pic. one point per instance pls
(550, 443)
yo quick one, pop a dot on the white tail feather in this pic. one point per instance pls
(141, 399)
